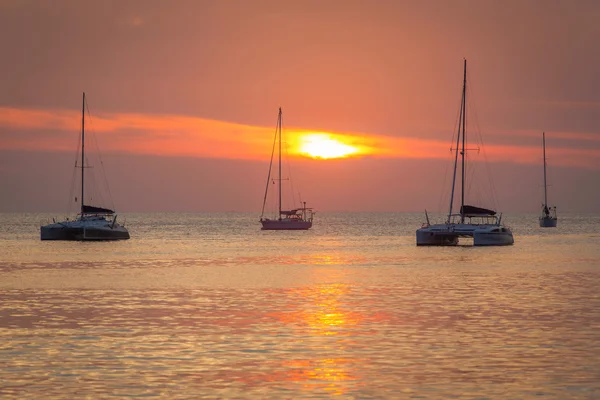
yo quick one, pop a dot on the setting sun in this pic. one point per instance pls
(322, 145)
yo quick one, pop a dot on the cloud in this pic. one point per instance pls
(177, 135)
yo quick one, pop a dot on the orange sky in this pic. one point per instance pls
(203, 80)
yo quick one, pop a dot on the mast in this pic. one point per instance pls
(462, 152)
(270, 168)
(461, 120)
(280, 123)
(82, 148)
(545, 186)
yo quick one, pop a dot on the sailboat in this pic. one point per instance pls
(296, 219)
(548, 218)
(481, 224)
(92, 222)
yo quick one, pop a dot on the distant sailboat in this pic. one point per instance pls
(92, 223)
(548, 218)
(296, 219)
(483, 225)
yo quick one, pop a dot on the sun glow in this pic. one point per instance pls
(322, 145)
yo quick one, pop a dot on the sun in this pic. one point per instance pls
(322, 145)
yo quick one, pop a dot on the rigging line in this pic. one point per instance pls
(443, 197)
(90, 179)
(457, 118)
(472, 188)
(92, 175)
(270, 167)
(286, 160)
(91, 188)
(271, 206)
(470, 165)
(94, 186)
(490, 177)
(102, 170)
(288, 163)
(74, 172)
(461, 124)
(470, 175)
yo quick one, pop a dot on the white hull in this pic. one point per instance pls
(481, 224)
(449, 234)
(435, 237)
(285, 224)
(96, 228)
(548, 222)
(502, 237)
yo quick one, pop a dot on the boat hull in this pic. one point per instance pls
(448, 235)
(285, 225)
(83, 233)
(548, 222)
(436, 238)
(487, 238)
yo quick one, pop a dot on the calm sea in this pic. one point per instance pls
(209, 306)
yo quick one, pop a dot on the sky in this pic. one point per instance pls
(182, 101)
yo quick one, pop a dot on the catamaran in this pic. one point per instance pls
(481, 224)
(295, 219)
(92, 223)
(548, 218)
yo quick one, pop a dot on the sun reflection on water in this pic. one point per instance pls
(328, 374)
(323, 315)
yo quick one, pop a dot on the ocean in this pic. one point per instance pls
(209, 306)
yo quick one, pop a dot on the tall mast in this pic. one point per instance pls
(462, 152)
(270, 168)
(455, 165)
(461, 148)
(280, 123)
(544, 146)
(82, 148)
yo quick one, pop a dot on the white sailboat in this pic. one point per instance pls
(296, 219)
(483, 225)
(92, 223)
(548, 218)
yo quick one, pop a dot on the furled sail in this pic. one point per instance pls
(95, 210)
(472, 210)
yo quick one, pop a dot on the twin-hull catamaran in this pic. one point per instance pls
(548, 218)
(483, 225)
(92, 223)
(296, 219)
